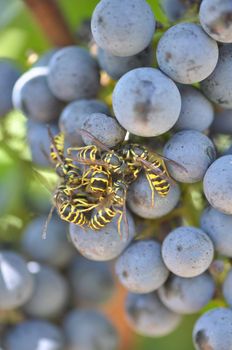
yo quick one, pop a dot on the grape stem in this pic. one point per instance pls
(52, 22)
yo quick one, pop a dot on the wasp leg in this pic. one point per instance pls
(152, 190)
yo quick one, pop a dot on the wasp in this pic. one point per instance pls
(106, 158)
(97, 180)
(138, 157)
(114, 203)
(65, 167)
(132, 159)
(72, 208)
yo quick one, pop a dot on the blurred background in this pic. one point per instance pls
(22, 197)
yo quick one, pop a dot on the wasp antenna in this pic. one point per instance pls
(95, 140)
(45, 153)
(45, 228)
(42, 180)
(125, 219)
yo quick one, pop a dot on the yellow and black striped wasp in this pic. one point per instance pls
(139, 158)
(132, 159)
(73, 207)
(114, 203)
(70, 198)
(66, 169)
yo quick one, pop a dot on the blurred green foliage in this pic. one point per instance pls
(21, 195)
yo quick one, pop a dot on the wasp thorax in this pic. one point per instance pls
(139, 151)
(62, 169)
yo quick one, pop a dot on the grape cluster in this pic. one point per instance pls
(173, 96)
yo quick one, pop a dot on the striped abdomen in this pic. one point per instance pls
(99, 180)
(160, 180)
(86, 153)
(59, 145)
(70, 213)
(101, 218)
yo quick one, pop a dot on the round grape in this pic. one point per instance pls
(9, 73)
(222, 123)
(51, 292)
(217, 184)
(33, 97)
(229, 150)
(55, 250)
(123, 28)
(140, 268)
(34, 334)
(39, 142)
(139, 199)
(105, 244)
(196, 111)
(227, 288)
(16, 282)
(187, 251)
(218, 86)
(191, 150)
(92, 282)
(104, 128)
(186, 53)
(176, 9)
(140, 102)
(187, 295)
(116, 66)
(73, 74)
(148, 316)
(44, 59)
(74, 115)
(213, 330)
(218, 226)
(216, 20)
(89, 330)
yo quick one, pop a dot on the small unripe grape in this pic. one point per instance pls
(147, 315)
(187, 251)
(140, 268)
